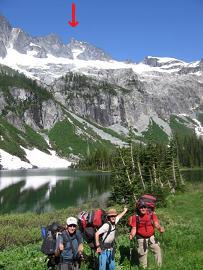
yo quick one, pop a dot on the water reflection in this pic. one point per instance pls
(45, 190)
(193, 175)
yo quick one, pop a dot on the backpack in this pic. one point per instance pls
(90, 222)
(67, 239)
(49, 238)
(150, 202)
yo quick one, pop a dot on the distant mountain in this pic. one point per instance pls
(79, 91)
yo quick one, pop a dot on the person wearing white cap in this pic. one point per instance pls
(70, 246)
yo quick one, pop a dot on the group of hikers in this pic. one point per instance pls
(68, 249)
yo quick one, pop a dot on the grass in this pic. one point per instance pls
(155, 133)
(77, 138)
(12, 138)
(179, 126)
(181, 243)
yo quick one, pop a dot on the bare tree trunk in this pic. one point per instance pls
(169, 184)
(140, 173)
(151, 179)
(154, 173)
(181, 179)
(128, 175)
(132, 159)
(161, 184)
(174, 173)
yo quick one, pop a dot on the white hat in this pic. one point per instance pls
(71, 220)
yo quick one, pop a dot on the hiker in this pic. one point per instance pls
(143, 225)
(106, 245)
(70, 246)
(48, 247)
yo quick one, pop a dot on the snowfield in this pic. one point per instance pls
(36, 158)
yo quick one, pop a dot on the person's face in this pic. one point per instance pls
(143, 210)
(71, 228)
(112, 219)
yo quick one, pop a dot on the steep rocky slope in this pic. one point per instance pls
(79, 91)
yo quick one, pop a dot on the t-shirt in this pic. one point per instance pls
(145, 223)
(68, 253)
(104, 230)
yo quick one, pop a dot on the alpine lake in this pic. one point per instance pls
(44, 190)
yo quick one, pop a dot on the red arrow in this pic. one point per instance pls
(73, 23)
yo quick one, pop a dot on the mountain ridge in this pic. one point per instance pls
(82, 82)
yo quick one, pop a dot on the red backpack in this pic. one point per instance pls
(150, 202)
(90, 222)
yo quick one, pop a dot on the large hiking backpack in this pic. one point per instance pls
(90, 222)
(49, 238)
(150, 202)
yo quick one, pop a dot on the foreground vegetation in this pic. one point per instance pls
(20, 238)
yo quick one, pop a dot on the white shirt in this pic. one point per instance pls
(104, 230)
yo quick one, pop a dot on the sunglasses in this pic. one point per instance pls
(72, 225)
(143, 207)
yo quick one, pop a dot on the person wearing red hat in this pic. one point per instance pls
(143, 227)
(105, 246)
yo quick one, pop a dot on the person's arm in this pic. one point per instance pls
(98, 248)
(119, 216)
(80, 248)
(102, 230)
(157, 225)
(60, 243)
(132, 233)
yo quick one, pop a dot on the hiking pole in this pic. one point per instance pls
(131, 248)
(162, 245)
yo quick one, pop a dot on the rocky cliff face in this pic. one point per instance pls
(121, 97)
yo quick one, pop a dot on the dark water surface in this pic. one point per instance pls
(45, 190)
(195, 175)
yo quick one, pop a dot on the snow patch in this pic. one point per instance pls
(166, 59)
(10, 162)
(31, 53)
(198, 128)
(77, 52)
(34, 45)
(26, 62)
(43, 160)
(35, 157)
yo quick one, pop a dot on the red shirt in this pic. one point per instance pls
(144, 224)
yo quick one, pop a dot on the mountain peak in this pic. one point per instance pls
(51, 38)
(85, 51)
(161, 61)
(4, 21)
(5, 32)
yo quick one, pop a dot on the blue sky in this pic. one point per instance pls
(125, 29)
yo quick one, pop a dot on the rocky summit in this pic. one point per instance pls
(50, 87)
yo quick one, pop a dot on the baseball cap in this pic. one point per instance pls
(71, 220)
